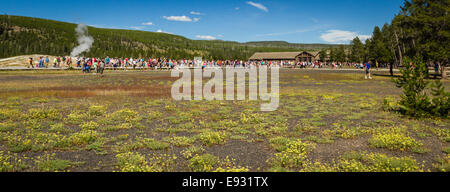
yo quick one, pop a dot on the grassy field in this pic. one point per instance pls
(127, 121)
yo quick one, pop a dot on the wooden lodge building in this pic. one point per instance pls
(286, 56)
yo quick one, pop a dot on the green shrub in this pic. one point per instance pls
(132, 162)
(48, 163)
(11, 163)
(446, 150)
(8, 126)
(210, 138)
(441, 100)
(97, 110)
(90, 126)
(443, 164)
(295, 155)
(390, 104)
(58, 128)
(155, 115)
(180, 141)
(203, 163)
(357, 162)
(229, 165)
(442, 133)
(394, 141)
(6, 114)
(125, 115)
(279, 143)
(76, 118)
(383, 163)
(44, 114)
(135, 162)
(414, 101)
(16, 143)
(192, 151)
(84, 137)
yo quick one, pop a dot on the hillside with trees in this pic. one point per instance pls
(24, 35)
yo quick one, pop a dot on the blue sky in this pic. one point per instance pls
(295, 21)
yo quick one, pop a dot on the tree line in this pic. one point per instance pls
(420, 30)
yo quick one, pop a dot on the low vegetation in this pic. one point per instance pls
(74, 124)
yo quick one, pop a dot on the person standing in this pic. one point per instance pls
(43, 61)
(95, 64)
(107, 60)
(58, 59)
(101, 68)
(84, 66)
(436, 69)
(41, 64)
(367, 67)
(54, 62)
(47, 61)
(30, 62)
(69, 62)
(78, 62)
(391, 69)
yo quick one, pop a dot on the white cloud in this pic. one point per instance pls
(258, 5)
(364, 37)
(237, 8)
(219, 35)
(196, 19)
(178, 18)
(340, 36)
(195, 13)
(147, 23)
(137, 28)
(205, 37)
(161, 31)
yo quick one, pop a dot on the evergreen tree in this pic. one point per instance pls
(340, 54)
(323, 55)
(332, 54)
(441, 100)
(428, 21)
(357, 52)
(367, 55)
(378, 50)
(414, 100)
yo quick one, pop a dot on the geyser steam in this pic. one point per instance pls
(84, 40)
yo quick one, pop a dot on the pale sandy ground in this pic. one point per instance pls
(20, 62)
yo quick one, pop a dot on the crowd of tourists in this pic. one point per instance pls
(98, 65)
(44, 62)
(89, 64)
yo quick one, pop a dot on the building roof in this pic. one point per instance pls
(315, 53)
(275, 55)
(279, 55)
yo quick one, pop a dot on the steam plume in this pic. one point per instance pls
(84, 40)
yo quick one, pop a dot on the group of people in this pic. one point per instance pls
(98, 65)
(159, 63)
(44, 62)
